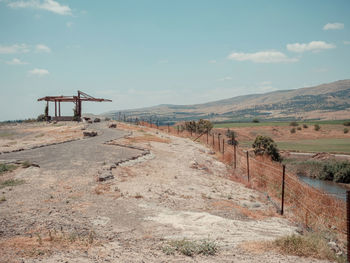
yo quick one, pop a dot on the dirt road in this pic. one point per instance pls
(178, 191)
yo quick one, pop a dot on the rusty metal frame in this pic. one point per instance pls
(77, 100)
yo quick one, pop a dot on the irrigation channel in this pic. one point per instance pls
(329, 187)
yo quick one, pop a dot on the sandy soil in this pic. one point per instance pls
(28, 135)
(179, 190)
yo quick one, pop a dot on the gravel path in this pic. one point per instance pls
(77, 154)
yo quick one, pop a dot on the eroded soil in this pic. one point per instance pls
(178, 190)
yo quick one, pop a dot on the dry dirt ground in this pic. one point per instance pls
(178, 190)
(26, 135)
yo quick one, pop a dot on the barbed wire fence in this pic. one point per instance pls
(312, 208)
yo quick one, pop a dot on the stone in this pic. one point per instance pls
(194, 164)
(97, 120)
(112, 125)
(105, 175)
(89, 133)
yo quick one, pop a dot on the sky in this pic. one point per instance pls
(145, 53)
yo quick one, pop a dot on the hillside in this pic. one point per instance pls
(325, 102)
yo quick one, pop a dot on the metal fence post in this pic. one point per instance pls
(234, 156)
(219, 141)
(283, 177)
(207, 136)
(223, 146)
(248, 164)
(213, 141)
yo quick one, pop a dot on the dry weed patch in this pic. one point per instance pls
(191, 248)
(40, 244)
(148, 138)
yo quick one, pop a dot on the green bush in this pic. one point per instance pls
(200, 126)
(264, 145)
(255, 120)
(337, 171)
(299, 128)
(346, 130)
(293, 130)
(41, 117)
(233, 137)
(305, 126)
(346, 123)
(317, 127)
(294, 123)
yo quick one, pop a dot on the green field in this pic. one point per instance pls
(273, 123)
(319, 145)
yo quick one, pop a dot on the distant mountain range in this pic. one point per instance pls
(323, 102)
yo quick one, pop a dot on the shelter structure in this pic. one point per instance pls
(77, 100)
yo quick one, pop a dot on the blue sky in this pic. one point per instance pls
(144, 53)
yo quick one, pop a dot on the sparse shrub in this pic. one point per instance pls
(233, 137)
(203, 126)
(10, 182)
(255, 120)
(294, 123)
(6, 168)
(41, 117)
(305, 126)
(346, 123)
(299, 128)
(265, 145)
(346, 130)
(317, 127)
(26, 164)
(191, 248)
(3, 199)
(293, 130)
(309, 245)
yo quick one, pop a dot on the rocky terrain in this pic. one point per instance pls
(128, 195)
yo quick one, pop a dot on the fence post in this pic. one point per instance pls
(348, 222)
(235, 156)
(213, 141)
(248, 164)
(283, 177)
(207, 136)
(223, 146)
(219, 141)
(168, 128)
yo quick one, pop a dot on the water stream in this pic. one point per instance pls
(329, 187)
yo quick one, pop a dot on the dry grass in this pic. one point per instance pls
(44, 243)
(311, 207)
(148, 138)
(311, 245)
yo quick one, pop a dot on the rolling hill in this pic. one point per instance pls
(323, 102)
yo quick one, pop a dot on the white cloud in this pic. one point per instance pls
(38, 72)
(42, 48)
(262, 57)
(314, 46)
(16, 61)
(346, 42)
(333, 26)
(212, 61)
(225, 79)
(48, 5)
(16, 48)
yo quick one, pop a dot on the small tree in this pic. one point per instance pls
(317, 127)
(264, 145)
(305, 126)
(190, 126)
(293, 123)
(293, 130)
(203, 126)
(233, 137)
(255, 120)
